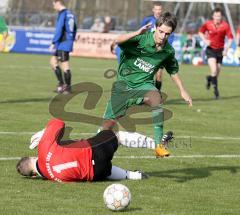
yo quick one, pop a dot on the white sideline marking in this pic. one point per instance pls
(150, 157)
(179, 156)
(9, 158)
(78, 134)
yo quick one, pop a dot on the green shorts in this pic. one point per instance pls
(123, 97)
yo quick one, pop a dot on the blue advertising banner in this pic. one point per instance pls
(188, 47)
(29, 41)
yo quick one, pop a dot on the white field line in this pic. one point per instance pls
(178, 156)
(22, 133)
(150, 157)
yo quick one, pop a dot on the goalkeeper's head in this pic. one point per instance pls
(27, 166)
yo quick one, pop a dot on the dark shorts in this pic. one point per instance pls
(62, 56)
(215, 53)
(104, 145)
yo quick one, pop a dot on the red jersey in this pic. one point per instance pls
(216, 34)
(64, 163)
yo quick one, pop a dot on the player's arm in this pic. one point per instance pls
(176, 78)
(59, 29)
(201, 34)
(228, 45)
(229, 40)
(171, 66)
(53, 131)
(126, 37)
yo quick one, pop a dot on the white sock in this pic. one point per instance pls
(135, 140)
(118, 173)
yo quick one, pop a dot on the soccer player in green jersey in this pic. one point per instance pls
(143, 53)
(3, 32)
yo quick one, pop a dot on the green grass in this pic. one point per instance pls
(176, 186)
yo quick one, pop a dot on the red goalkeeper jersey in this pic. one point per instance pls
(216, 34)
(64, 163)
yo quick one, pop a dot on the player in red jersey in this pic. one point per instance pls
(213, 33)
(76, 160)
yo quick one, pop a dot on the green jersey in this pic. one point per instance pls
(140, 60)
(3, 26)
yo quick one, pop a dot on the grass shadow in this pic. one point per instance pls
(130, 210)
(187, 174)
(26, 100)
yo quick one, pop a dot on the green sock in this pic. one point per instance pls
(158, 117)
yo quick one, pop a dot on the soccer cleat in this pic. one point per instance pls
(209, 79)
(59, 89)
(216, 93)
(161, 150)
(66, 89)
(167, 138)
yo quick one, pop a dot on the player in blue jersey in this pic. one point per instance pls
(157, 10)
(62, 45)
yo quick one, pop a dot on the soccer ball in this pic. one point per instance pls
(117, 197)
(196, 61)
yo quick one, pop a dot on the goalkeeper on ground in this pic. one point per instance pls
(79, 160)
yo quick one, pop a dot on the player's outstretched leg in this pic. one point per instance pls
(118, 173)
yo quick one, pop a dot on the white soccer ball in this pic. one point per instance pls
(117, 197)
(196, 61)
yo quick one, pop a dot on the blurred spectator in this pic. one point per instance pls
(87, 22)
(98, 25)
(191, 48)
(108, 24)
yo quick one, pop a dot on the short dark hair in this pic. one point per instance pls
(23, 167)
(157, 4)
(168, 19)
(61, 1)
(217, 10)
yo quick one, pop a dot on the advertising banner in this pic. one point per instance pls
(28, 41)
(93, 45)
(189, 48)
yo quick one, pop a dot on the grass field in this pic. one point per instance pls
(202, 177)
